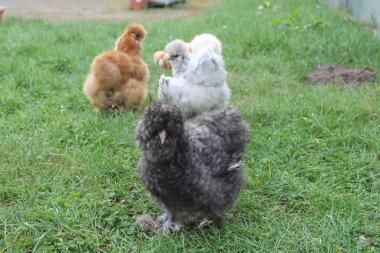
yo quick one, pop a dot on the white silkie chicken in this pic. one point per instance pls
(199, 81)
(199, 42)
(205, 40)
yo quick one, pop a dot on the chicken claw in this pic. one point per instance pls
(165, 224)
(146, 222)
(205, 223)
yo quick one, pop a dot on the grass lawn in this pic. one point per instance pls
(68, 177)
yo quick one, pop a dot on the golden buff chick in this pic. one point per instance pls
(118, 78)
(162, 60)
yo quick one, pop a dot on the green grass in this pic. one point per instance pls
(68, 177)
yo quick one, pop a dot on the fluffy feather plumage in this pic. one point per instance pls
(198, 83)
(199, 42)
(161, 58)
(191, 168)
(118, 79)
(204, 41)
(178, 56)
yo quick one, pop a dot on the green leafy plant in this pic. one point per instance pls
(294, 22)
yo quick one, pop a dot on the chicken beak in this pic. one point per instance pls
(163, 136)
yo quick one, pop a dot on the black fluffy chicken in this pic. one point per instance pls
(191, 168)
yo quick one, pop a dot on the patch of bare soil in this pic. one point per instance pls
(98, 10)
(335, 74)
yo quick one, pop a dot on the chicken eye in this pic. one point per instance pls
(136, 36)
(173, 57)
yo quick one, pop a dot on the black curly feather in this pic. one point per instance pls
(197, 171)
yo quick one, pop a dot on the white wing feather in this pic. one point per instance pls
(206, 68)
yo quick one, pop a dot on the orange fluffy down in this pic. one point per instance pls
(118, 79)
(161, 59)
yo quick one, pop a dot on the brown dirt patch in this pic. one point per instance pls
(98, 10)
(335, 74)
